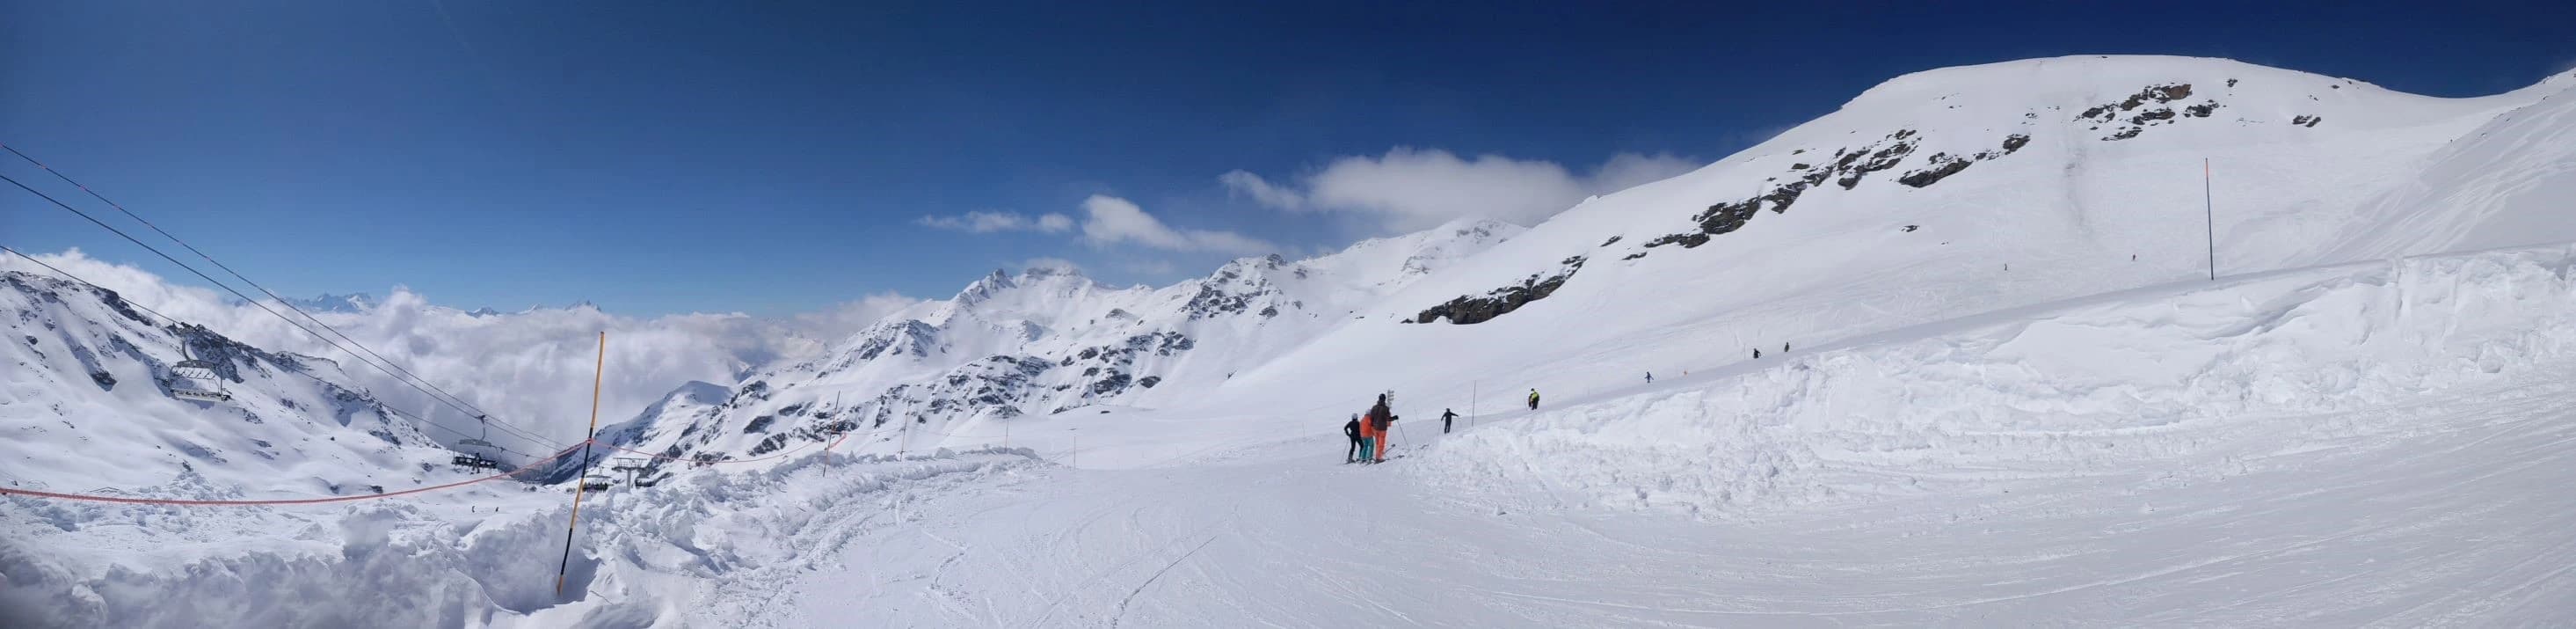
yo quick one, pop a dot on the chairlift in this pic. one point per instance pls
(594, 482)
(478, 460)
(193, 379)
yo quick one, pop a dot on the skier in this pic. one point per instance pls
(1368, 439)
(1650, 377)
(1352, 430)
(1757, 353)
(1378, 416)
(1784, 348)
(1384, 422)
(1533, 399)
(1446, 416)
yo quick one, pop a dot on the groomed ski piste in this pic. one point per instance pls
(2368, 419)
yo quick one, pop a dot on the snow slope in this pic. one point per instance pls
(2057, 218)
(1992, 414)
(2369, 445)
(87, 408)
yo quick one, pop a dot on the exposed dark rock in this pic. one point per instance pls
(1612, 241)
(2202, 110)
(2144, 117)
(1883, 159)
(1942, 165)
(908, 337)
(1501, 301)
(2307, 121)
(772, 444)
(105, 380)
(2124, 134)
(2157, 93)
(2231, 82)
(1149, 381)
(759, 424)
(2014, 142)
(1910, 228)
(756, 391)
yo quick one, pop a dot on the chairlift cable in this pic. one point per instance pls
(264, 307)
(237, 275)
(175, 322)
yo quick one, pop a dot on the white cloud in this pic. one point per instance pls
(989, 222)
(1251, 185)
(1413, 189)
(1053, 264)
(517, 366)
(1115, 221)
(844, 319)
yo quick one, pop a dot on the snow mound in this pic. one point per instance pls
(2153, 380)
(406, 564)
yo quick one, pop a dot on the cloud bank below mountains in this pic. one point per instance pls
(532, 369)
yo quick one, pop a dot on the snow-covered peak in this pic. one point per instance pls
(108, 411)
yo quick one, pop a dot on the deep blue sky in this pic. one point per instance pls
(655, 158)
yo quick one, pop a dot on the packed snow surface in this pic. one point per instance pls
(1996, 388)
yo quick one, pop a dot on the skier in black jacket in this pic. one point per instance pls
(1445, 416)
(1352, 430)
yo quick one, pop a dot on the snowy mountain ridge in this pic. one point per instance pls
(1946, 193)
(1048, 340)
(89, 403)
(2014, 397)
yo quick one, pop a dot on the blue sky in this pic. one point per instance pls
(673, 157)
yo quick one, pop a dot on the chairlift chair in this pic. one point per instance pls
(594, 482)
(478, 460)
(194, 379)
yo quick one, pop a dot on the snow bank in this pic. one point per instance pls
(2133, 381)
(401, 564)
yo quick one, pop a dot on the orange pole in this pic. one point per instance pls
(578, 483)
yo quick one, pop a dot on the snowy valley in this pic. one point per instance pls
(1951, 354)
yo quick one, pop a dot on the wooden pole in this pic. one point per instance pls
(2209, 217)
(580, 483)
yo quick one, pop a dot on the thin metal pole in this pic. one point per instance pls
(579, 482)
(2210, 217)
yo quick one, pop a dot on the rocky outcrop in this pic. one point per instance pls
(2150, 106)
(1498, 302)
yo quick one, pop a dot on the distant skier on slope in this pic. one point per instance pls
(1757, 353)
(1650, 377)
(1533, 399)
(1446, 416)
(1352, 430)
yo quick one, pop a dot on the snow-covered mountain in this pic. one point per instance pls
(1960, 191)
(2010, 395)
(1936, 195)
(1046, 341)
(89, 407)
